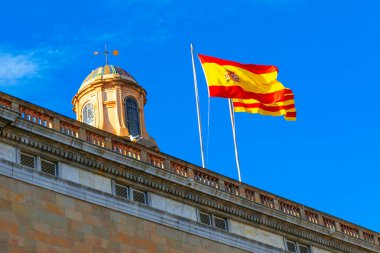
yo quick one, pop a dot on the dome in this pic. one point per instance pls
(105, 72)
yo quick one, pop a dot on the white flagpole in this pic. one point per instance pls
(230, 105)
(197, 103)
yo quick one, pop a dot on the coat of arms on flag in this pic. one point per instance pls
(230, 75)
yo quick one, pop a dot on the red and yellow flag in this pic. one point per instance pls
(286, 108)
(254, 88)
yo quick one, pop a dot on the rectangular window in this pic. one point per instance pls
(212, 220)
(303, 248)
(130, 193)
(139, 196)
(28, 160)
(49, 167)
(296, 247)
(205, 218)
(220, 223)
(291, 246)
(121, 191)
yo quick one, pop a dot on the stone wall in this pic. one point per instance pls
(33, 219)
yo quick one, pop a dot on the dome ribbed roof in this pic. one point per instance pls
(107, 71)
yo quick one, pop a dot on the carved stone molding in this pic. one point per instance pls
(123, 170)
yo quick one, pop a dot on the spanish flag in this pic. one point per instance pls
(253, 88)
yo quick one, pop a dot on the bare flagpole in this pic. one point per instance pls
(230, 105)
(197, 103)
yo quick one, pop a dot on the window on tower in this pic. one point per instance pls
(132, 116)
(88, 114)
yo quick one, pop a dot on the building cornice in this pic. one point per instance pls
(125, 168)
(153, 170)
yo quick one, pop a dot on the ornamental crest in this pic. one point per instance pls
(231, 76)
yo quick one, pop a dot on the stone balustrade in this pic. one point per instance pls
(354, 232)
(369, 237)
(205, 178)
(231, 188)
(178, 169)
(250, 195)
(36, 117)
(156, 161)
(126, 150)
(290, 209)
(5, 103)
(266, 201)
(119, 145)
(312, 217)
(329, 223)
(69, 129)
(95, 138)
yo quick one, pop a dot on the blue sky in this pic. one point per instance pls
(327, 53)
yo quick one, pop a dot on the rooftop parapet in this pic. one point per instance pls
(75, 129)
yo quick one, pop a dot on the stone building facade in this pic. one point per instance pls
(71, 186)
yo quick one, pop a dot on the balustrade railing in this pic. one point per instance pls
(156, 161)
(369, 237)
(349, 230)
(178, 169)
(231, 188)
(36, 117)
(267, 201)
(5, 103)
(69, 129)
(312, 217)
(95, 138)
(250, 195)
(126, 150)
(206, 179)
(331, 224)
(290, 209)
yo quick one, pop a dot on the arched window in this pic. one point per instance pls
(88, 114)
(132, 116)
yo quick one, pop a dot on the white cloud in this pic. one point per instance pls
(16, 67)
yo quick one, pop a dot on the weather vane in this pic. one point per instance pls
(106, 52)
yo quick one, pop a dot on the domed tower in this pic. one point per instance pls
(111, 99)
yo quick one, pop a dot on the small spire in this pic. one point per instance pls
(106, 52)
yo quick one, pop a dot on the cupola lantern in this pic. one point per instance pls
(110, 99)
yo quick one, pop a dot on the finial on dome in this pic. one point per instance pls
(106, 52)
